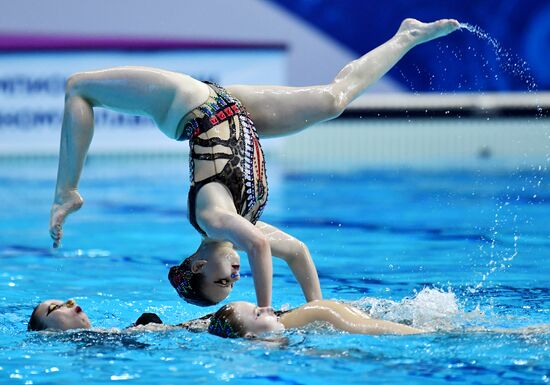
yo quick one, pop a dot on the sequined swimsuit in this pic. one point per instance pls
(224, 148)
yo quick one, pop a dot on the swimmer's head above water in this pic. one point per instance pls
(55, 314)
(243, 320)
(207, 277)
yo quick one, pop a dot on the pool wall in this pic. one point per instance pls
(462, 131)
(420, 143)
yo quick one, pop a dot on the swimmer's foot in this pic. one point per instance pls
(417, 32)
(63, 205)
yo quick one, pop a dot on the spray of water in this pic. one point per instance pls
(507, 208)
(431, 309)
(508, 61)
(512, 64)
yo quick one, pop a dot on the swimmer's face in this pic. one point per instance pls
(62, 315)
(220, 271)
(254, 320)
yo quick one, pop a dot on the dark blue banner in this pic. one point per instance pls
(459, 62)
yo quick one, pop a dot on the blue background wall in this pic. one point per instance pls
(463, 61)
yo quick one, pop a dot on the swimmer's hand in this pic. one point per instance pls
(417, 32)
(64, 204)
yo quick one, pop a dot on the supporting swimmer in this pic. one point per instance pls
(244, 319)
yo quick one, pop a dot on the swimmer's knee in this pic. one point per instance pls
(335, 104)
(72, 83)
(75, 85)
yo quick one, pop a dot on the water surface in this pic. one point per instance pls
(445, 251)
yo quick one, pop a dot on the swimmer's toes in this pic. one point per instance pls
(56, 241)
(449, 24)
(64, 205)
(56, 229)
(56, 234)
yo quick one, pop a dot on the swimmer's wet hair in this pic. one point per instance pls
(189, 284)
(224, 323)
(35, 323)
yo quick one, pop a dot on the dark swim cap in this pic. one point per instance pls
(148, 318)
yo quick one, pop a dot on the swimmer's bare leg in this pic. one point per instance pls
(296, 254)
(279, 111)
(161, 95)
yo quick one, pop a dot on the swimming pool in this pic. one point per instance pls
(433, 248)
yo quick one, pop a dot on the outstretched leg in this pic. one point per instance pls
(161, 95)
(279, 111)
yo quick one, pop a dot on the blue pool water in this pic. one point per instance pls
(445, 251)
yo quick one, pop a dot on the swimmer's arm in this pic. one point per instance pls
(193, 325)
(151, 327)
(342, 317)
(296, 254)
(228, 226)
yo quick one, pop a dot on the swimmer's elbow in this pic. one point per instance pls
(259, 245)
(299, 252)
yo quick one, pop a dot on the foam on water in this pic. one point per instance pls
(431, 309)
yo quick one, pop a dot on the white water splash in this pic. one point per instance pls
(431, 309)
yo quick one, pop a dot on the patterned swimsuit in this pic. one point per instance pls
(224, 148)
